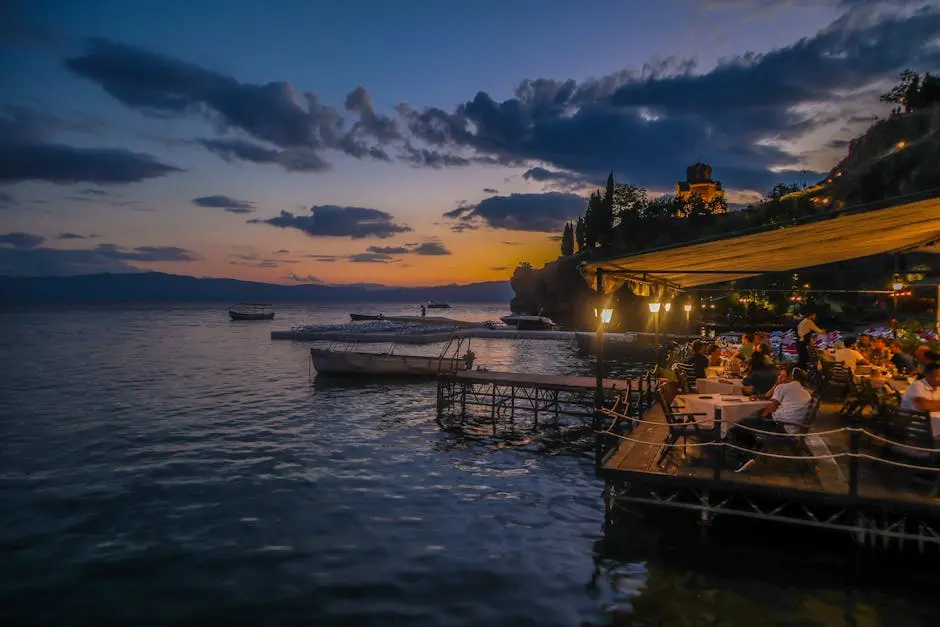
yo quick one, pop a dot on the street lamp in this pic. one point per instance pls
(668, 306)
(687, 308)
(606, 314)
(655, 306)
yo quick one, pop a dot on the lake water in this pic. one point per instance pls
(162, 465)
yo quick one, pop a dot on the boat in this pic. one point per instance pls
(251, 311)
(330, 361)
(525, 322)
(437, 305)
(361, 317)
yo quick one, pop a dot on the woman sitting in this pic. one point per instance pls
(761, 376)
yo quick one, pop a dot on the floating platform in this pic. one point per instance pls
(882, 505)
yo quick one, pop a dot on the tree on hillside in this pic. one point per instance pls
(661, 208)
(914, 92)
(605, 220)
(782, 189)
(629, 202)
(579, 233)
(591, 220)
(567, 240)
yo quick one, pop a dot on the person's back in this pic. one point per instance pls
(849, 356)
(794, 400)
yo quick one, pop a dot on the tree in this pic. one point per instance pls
(629, 202)
(579, 233)
(567, 240)
(660, 208)
(605, 219)
(591, 220)
(782, 189)
(914, 92)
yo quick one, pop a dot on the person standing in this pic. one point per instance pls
(804, 332)
(424, 311)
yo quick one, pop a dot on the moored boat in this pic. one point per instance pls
(437, 305)
(251, 311)
(525, 322)
(361, 317)
(332, 362)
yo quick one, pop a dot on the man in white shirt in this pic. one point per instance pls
(789, 403)
(807, 325)
(849, 356)
(924, 394)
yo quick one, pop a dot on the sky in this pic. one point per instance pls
(412, 143)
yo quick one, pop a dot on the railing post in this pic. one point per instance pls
(720, 451)
(854, 437)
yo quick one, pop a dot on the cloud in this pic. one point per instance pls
(21, 240)
(58, 163)
(499, 268)
(307, 278)
(323, 258)
(283, 251)
(294, 160)
(75, 236)
(370, 258)
(57, 262)
(6, 200)
(490, 190)
(221, 201)
(648, 125)
(557, 178)
(425, 248)
(523, 212)
(334, 221)
(146, 254)
(511, 243)
(27, 154)
(273, 112)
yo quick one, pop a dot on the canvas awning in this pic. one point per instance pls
(913, 226)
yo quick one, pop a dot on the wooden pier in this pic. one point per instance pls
(508, 395)
(832, 487)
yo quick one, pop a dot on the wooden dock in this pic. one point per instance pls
(886, 507)
(511, 395)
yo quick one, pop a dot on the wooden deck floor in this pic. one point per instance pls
(876, 481)
(544, 381)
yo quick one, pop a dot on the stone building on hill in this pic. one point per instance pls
(699, 181)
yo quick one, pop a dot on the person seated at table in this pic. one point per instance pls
(765, 352)
(698, 360)
(865, 344)
(901, 360)
(924, 394)
(787, 411)
(714, 356)
(761, 376)
(849, 356)
(747, 348)
(924, 357)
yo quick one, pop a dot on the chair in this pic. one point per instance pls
(681, 425)
(796, 440)
(913, 428)
(685, 373)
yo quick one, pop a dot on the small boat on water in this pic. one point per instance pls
(251, 311)
(437, 305)
(525, 322)
(329, 361)
(361, 317)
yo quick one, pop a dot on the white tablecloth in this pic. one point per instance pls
(717, 385)
(733, 408)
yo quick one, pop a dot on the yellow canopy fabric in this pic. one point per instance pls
(907, 227)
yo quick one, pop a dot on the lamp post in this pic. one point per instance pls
(897, 285)
(655, 306)
(687, 308)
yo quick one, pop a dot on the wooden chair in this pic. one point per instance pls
(685, 373)
(796, 440)
(681, 425)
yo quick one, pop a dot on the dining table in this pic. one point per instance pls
(719, 385)
(734, 408)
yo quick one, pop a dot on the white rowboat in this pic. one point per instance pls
(331, 362)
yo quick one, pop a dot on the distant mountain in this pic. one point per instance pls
(160, 287)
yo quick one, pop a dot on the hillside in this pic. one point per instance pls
(895, 157)
(159, 287)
